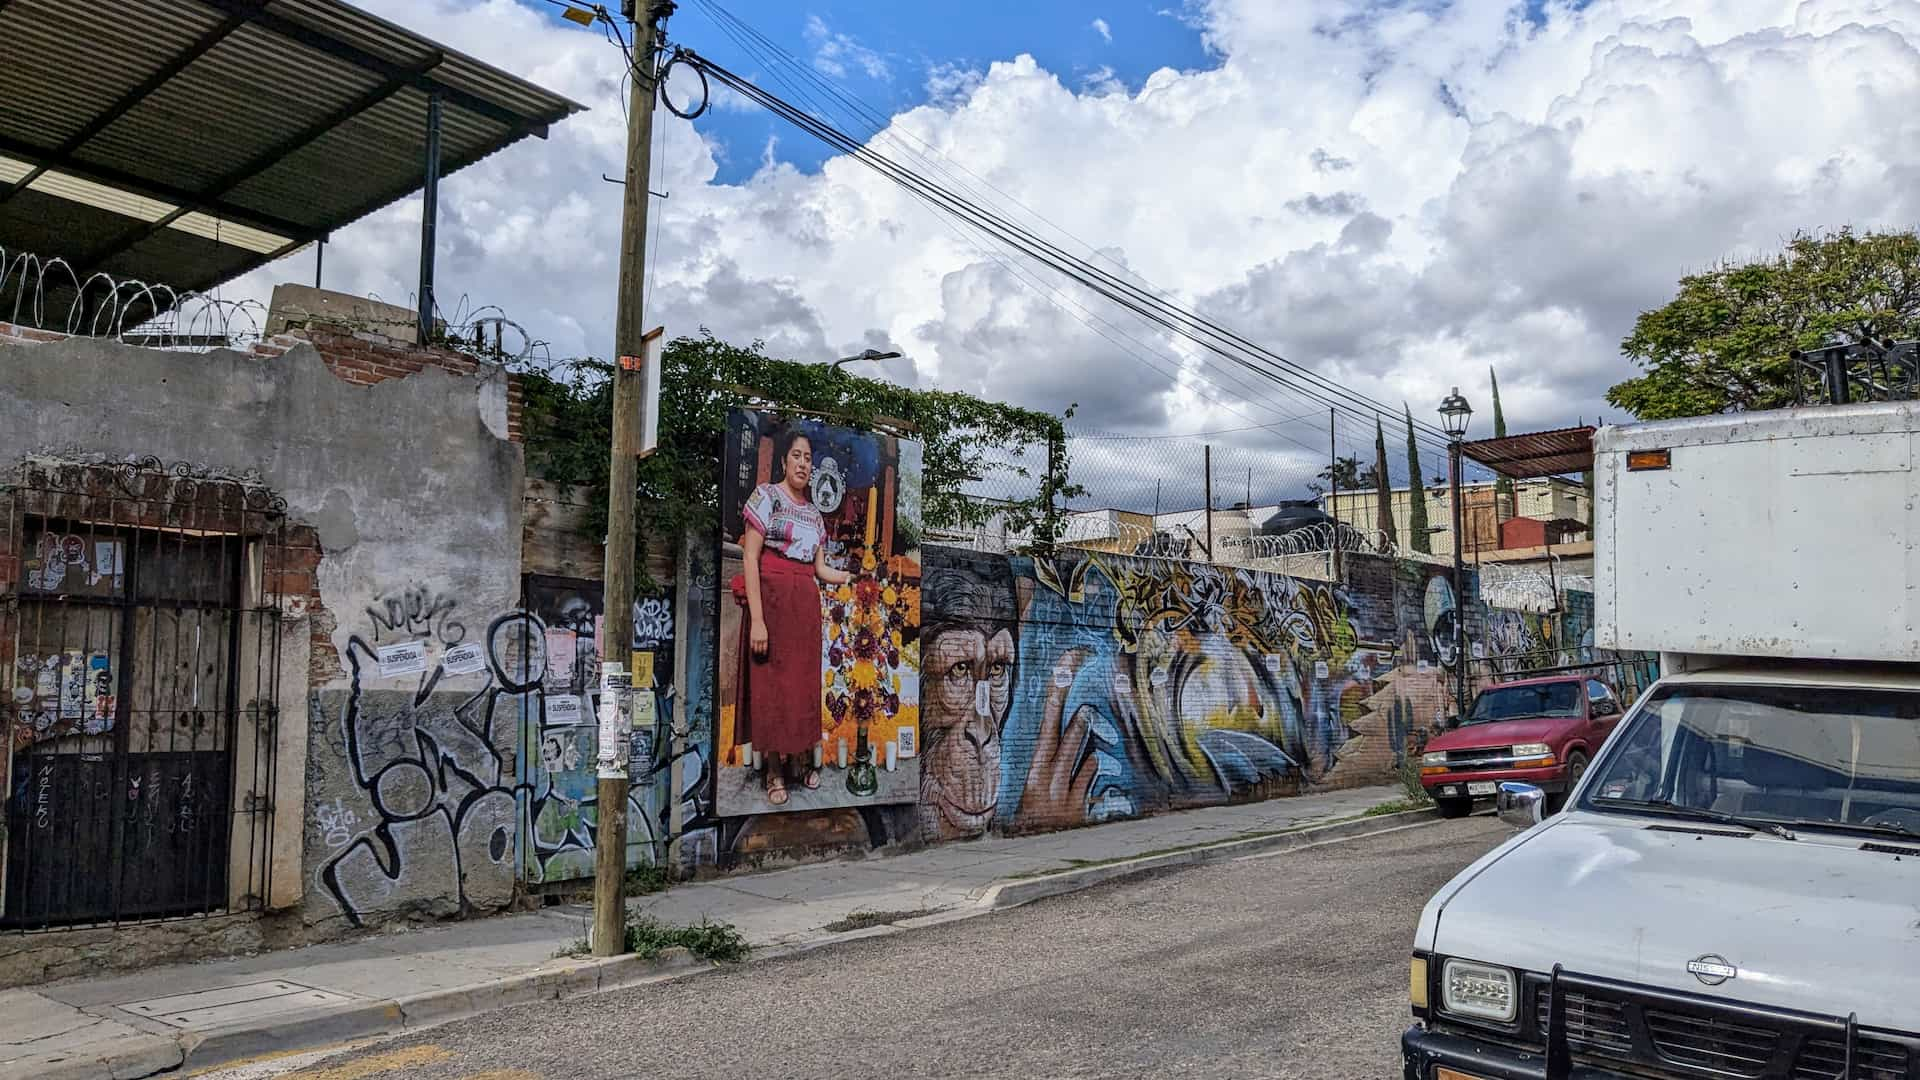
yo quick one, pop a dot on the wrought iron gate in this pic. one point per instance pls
(139, 632)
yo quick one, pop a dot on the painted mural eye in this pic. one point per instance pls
(961, 672)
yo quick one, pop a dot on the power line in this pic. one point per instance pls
(758, 46)
(1226, 343)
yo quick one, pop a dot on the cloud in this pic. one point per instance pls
(1393, 193)
(1100, 27)
(832, 52)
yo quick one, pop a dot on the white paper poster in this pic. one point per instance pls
(406, 658)
(563, 709)
(464, 660)
(616, 692)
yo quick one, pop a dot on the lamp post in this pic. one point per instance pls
(870, 354)
(1454, 415)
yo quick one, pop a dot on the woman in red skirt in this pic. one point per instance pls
(777, 707)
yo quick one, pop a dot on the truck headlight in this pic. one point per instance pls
(1531, 749)
(1434, 757)
(1478, 990)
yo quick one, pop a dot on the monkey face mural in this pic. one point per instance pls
(966, 688)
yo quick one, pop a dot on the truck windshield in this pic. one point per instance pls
(1514, 702)
(1811, 756)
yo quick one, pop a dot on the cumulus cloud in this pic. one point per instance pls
(1396, 194)
(833, 52)
(1100, 27)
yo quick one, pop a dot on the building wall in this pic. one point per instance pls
(402, 484)
(1191, 684)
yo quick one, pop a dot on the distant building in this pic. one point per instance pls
(1552, 511)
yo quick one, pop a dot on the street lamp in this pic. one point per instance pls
(870, 354)
(1455, 413)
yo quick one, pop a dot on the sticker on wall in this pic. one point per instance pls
(405, 658)
(1158, 678)
(909, 742)
(1421, 667)
(1320, 669)
(1122, 684)
(1479, 650)
(73, 686)
(1273, 662)
(563, 709)
(464, 659)
(643, 670)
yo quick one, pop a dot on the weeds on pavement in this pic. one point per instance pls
(718, 942)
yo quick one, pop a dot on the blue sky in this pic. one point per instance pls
(914, 39)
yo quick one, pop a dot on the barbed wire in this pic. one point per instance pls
(157, 315)
(46, 293)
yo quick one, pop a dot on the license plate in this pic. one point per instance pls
(1482, 787)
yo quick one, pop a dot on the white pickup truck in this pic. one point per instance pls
(1733, 887)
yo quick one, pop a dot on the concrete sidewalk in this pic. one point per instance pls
(198, 1015)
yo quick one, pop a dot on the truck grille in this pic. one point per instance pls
(1874, 1059)
(1469, 757)
(1713, 1041)
(1592, 1024)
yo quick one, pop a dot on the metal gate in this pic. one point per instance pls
(139, 632)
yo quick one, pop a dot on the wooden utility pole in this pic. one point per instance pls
(629, 379)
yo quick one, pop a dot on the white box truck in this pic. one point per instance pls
(1733, 887)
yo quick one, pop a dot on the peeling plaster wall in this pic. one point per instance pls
(413, 490)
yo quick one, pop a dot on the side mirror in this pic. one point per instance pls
(1520, 805)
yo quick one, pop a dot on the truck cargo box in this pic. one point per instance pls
(1775, 534)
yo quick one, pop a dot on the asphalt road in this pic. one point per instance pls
(1292, 965)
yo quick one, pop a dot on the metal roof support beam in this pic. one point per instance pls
(132, 97)
(353, 54)
(262, 161)
(429, 217)
(67, 163)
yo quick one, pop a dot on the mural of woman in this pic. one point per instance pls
(784, 544)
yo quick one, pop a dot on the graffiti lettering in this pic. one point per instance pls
(652, 622)
(415, 612)
(43, 799)
(336, 823)
(431, 771)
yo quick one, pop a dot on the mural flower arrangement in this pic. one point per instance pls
(870, 647)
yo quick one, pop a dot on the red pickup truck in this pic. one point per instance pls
(1540, 731)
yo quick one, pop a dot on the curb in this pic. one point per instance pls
(1014, 893)
(315, 1028)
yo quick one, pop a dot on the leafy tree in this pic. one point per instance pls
(1416, 494)
(1345, 474)
(1722, 344)
(568, 426)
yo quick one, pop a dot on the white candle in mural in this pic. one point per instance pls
(893, 754)
(843, 753)
(746, 754)
(756, 761)
(817, 748)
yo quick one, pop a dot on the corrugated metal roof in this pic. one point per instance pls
(1536, 454)
(289, 118)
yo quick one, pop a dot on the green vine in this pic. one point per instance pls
(568, 426)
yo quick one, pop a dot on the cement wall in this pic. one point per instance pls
(398, 468)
